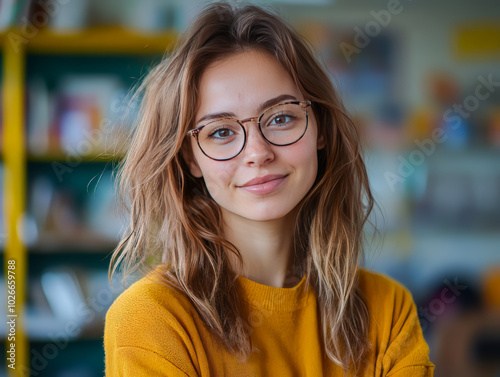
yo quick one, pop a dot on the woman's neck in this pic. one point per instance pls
(266, 248)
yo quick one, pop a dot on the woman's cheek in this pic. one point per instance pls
(217, 182)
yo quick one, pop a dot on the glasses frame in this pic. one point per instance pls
(195, 131)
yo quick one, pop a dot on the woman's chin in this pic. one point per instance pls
(264, 215)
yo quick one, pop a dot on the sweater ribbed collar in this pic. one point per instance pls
(273, 298)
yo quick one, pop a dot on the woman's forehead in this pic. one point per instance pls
(243, 81)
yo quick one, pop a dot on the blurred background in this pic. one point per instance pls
(421, 78)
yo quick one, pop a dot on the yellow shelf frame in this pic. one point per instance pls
(14, 157)
(96, 40)
(61, 157)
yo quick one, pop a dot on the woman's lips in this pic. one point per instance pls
(265, 187)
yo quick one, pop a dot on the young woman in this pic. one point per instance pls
(248, 195)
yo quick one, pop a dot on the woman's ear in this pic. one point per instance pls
(321, 141)
(191, 162)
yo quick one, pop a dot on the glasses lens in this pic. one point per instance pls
(284, 124)
(221, 139)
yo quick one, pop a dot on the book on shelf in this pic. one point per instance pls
(82, 117)
(58, 219)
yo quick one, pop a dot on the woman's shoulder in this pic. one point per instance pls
(147, 313)
(383, 292)
(150, 297)
(151, 326)
(369, 279)
(394, 327)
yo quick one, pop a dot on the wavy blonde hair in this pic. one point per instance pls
(174, 222)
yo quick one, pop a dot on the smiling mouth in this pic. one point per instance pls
(265, 187)
(262, 180)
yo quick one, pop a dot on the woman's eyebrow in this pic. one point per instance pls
(215, 116)
(273, 101)
(263, 106)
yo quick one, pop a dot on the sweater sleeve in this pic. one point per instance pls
(140, 362)
(145, 337)
(407, 354)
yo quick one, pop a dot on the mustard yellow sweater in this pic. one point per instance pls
(152, 330)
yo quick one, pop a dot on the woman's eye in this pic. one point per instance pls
(280, 119)
(221, 133)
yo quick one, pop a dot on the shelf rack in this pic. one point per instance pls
(14, 47)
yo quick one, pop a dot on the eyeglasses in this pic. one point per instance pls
(224, 138)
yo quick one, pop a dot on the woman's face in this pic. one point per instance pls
(237, 86)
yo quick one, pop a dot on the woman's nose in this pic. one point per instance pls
(257, 151)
